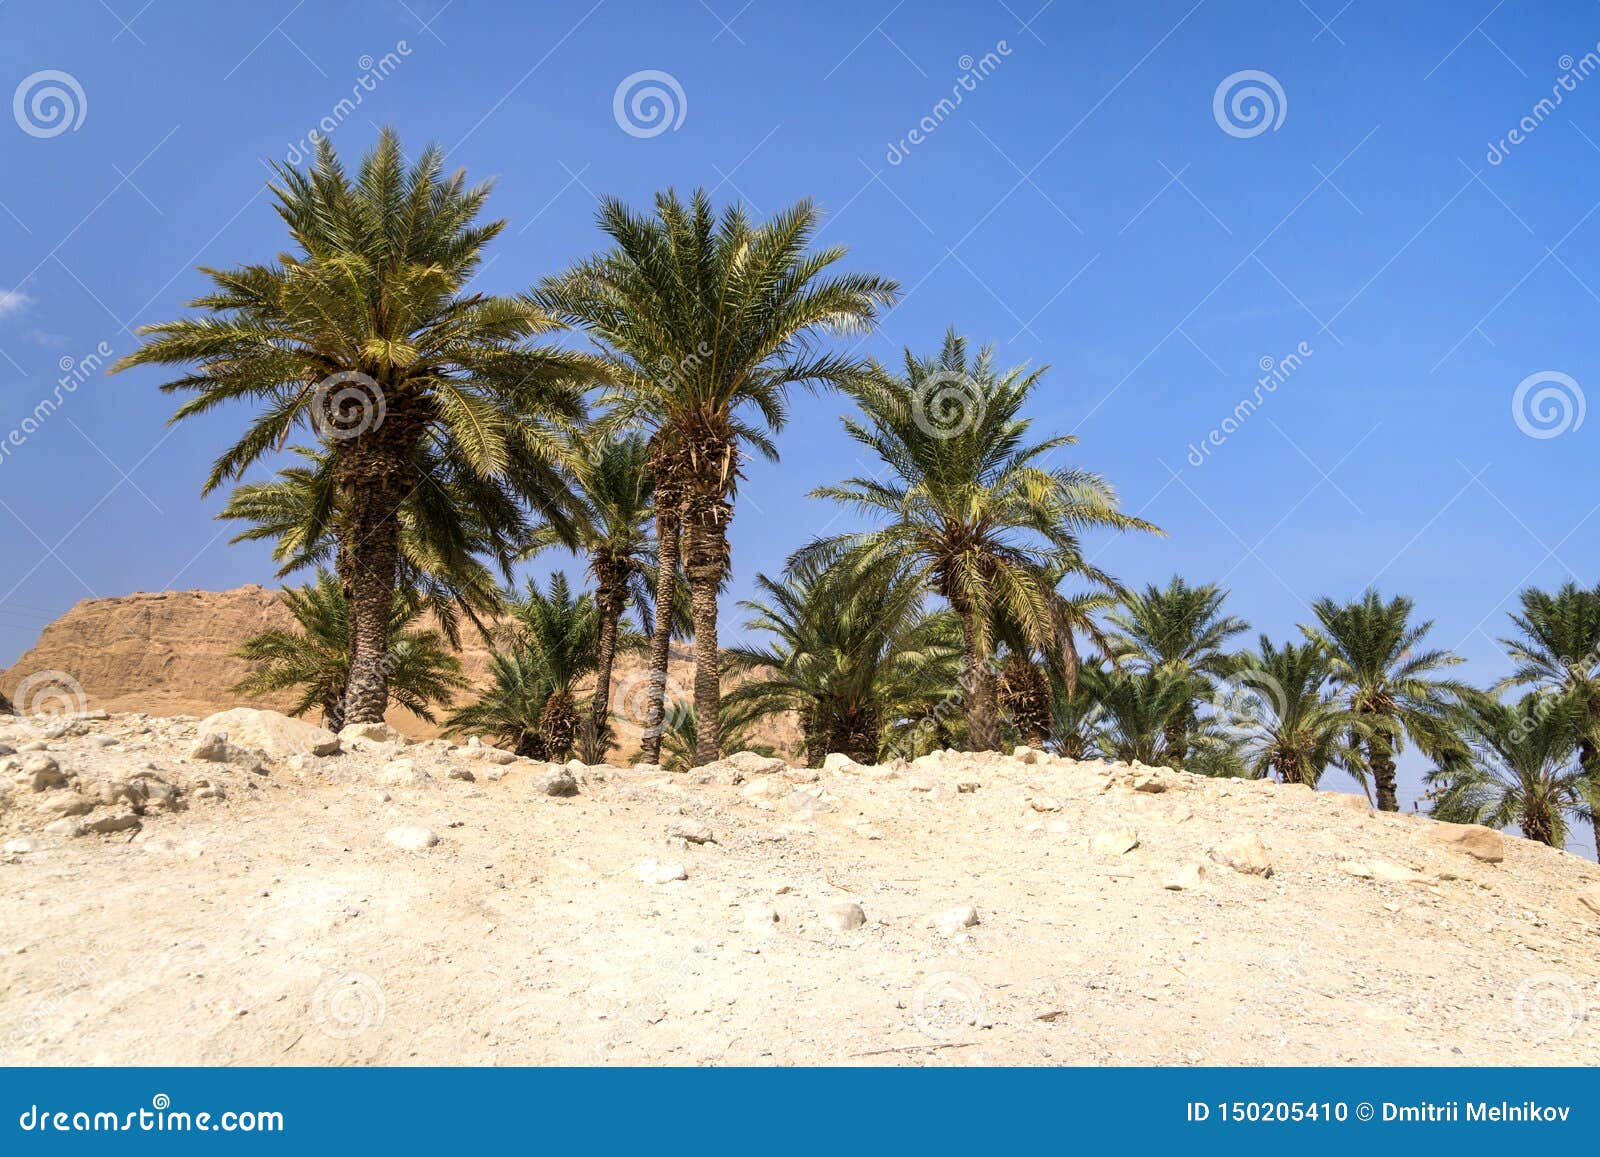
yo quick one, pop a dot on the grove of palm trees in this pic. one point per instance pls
(439, 437)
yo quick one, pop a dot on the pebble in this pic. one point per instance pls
(956, 919)
(413, 838)
(845, 916)
(652, 872)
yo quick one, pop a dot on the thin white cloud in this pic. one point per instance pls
(13, 301)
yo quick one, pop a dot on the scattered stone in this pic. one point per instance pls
(693, 831)
(838, 762)
(41, 772)
(103, 740)
(1043, 803)
(462, 773)
(213, 747)
(5, 750)
(1026, 754)
(21, 846)
(270, 732)
(120, 822)
(66, 803)
(361, 733)
(967, 786)
(1151, 783)
(752, 764)
(956, 919)
(1384, 872)
(1185, 879)
(1344, 799)
(652, 872)
(65, 827)
(760, 916)
(413, 838)
(1245, 853)
(559, 782)
(1115, 842)
(845, 916)
(1479, 842)
(401, 772)
(801, 774)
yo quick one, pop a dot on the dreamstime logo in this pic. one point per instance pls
(1550, 1005)
(630, 704)
(50, 701)
(373, 73)
(1547, 404)
(947, 404)
(1274, 373)
(1257, 103)
(973, 73)
(49, 103)
(947, 1004)
(648, 103)
(347, 405)
(1247, 701)
(348, 1004)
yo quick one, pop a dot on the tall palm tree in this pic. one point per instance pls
(1303, 729)
(1384, 675)
(1558, 651)
(614, 491)
(447, 530)
(970, 506)
(367, 333)
(845, 647)
(708, 321)
(1522, 768)
(315, 659)
(1180, 629)
(1135, 708)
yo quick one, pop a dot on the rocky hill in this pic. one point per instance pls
(172, 653)
(248, 890)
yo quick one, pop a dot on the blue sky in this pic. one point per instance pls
(1083, 206)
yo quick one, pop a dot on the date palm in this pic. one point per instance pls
(613, 490)
(708, 321)
(367, 333)
(314, 660)
(1301, 729)
(1135, 708)
(680, 739)
(1522, 768)
(1557, 651)
(846, 647)
(970, 506)
(1384, 674)
(1180, 629)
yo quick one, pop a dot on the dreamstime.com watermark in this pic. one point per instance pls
(1547, 404)
(1573, 73)
(373, 73)
(74, 372)
(160, 1117)
(48, 103)
(973, 73)
(648, 103)
(1274, 372)
(1249, 102)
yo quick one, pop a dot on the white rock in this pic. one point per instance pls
(358, 733)
(41, 772)
(559, 782)
(1115, 842)
(761, 916)
(845, 916)
(116, 822)
(270, 732)
(1043, 803)
(694, 831)
(956, 919)
(839, 762)
(652, 872)
(1244, 853)
(21, 846)
(752, 764)
(1185, 879)
(400, 772)
(65, 827)
(413, 838)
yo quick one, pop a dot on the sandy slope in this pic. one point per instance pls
(278, 925)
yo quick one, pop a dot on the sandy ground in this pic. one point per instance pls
(281, 923)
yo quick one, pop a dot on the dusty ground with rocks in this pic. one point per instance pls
(252, 890)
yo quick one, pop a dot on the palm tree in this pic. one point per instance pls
(1180, 629)
(845, 648)
(1383, 676)
(681, 737)
(1522, 768)
(447, 528)
(614, 490)
(1301, 728)
(315, 659)
(367, 332)
(708, 321)
(511, 707)
(1558, 651)
(1135, 709)
(969, 506)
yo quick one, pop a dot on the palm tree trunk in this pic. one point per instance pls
(983, 721)
(815, 734)
(1383, 776)
(375, 561)
(610, 597)
(661, 640)
(707, 557)
(1589, 761)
